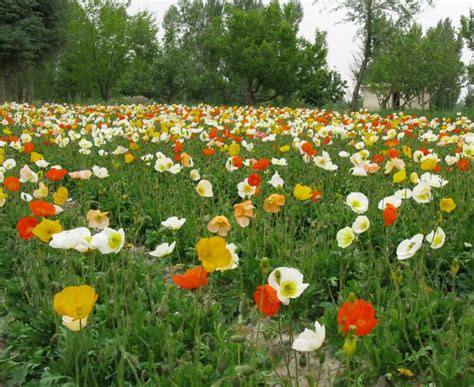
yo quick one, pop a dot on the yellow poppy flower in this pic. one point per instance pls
(46, 228)
(400, 176)
(284, 148)
(234, 149)
(302, 192)
(428, 164)
(75, 301)
(447, 205)
(34, 157)
(213, 253)
(60, 196)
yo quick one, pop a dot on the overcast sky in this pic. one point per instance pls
(341, 37)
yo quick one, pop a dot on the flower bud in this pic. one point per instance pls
(237, 338)
(264, 266)
(455, 266)
(350, 345)
(244, 369)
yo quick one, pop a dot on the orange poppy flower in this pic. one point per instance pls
(267, 300)
(463, 165)
(358, 314)
(389, 214)
(28, 147)
(192, 279)
(391, 143)
(25, 227)
(56, 174)
(261, 164)
(274, 203)
(12, 183)
(242, 212)
(393, 153)
(208, 152)
(42, 208)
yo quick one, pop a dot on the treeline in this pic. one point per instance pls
(218, 51)
(409, 63)
(242, 52)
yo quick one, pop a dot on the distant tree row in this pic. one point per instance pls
(409, 63)
(219, 51)
(244, 52)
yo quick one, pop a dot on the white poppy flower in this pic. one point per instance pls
(173, 223)
(436, 238)
(109, 241)
(204, 189)
(308, 340)
(163, 250)
(288, 283)
(361, 224)
(345, 237)
(407, 248)
(358, 202)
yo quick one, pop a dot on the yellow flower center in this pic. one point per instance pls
(114, 240)
(288, 288)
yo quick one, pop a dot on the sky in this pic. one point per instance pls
(341, 37)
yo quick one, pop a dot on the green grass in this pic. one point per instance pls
(144, 330)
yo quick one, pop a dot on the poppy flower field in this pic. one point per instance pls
(172, 245)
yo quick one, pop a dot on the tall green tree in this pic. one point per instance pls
(260, 51)
(317, 84)
(443, 52)
(103, 41)
(467, 33)
(364, 13)
(29, 32)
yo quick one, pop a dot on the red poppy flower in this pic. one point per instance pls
(359, 314)
(254, 180)
(308, 149)
(213, 133)
(28, 147)
(377, 159)
(192, 279)
(327, 140)
(267, 301)
(12, 183)
(208, 151)
(424, 151)
(315, 196)
(393, 153)
(56, 174)
(42, 208)
(389, 214)
(261, 164)
(178, 146)
(391, 143)
(25, 227)
(463, 165)
(237, 161)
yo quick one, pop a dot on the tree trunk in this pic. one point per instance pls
(4, 88)
(367, 55)
(249, 100)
